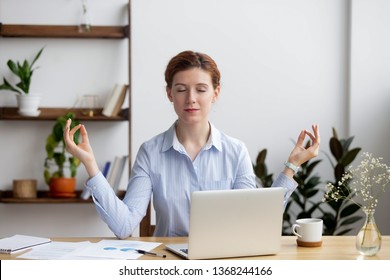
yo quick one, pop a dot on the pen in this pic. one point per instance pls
(151, 253)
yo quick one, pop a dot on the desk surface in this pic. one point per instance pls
(333, 248)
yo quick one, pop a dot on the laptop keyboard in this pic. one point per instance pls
(184, 251)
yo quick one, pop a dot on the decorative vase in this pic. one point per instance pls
(369, 239)
(85, 23)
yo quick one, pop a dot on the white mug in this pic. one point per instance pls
(308, 230)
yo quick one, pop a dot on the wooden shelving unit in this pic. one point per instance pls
(47, 32)
(10, 114)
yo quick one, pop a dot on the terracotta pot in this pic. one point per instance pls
(62, 187)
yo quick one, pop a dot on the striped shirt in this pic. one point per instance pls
(164, 172)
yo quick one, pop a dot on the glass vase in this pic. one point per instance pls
(85, 22)
(369, 239)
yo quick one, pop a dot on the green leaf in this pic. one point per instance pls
(56, 174)
(47, 175)
(12, 66)
(73, 167)
(350, 220)
(268, 181)
(260, 170)
(261, 156)
(314, 207)
(303, 215)
(8, 86)
(350, 156)
(59, 159)
(288, 205)
(297, 200)
(56, 150)
(37, 56)
(347, 143)
(58, 132)
(339, 171)
(335, 205)
(336, 148)
(311, 193)
(24, 72)
(286, 216)
(330, 222)
(313, 182)
(349, 210)
(311, 166)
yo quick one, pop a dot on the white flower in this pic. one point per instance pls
(363, 185)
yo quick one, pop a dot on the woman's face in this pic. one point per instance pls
(193, 95)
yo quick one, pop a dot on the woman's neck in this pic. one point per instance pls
(193, 137)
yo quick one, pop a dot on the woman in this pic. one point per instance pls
(191, 155)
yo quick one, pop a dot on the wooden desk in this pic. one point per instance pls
(333, 248)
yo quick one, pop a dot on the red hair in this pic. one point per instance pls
(189, 59)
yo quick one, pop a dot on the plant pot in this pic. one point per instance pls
(62, 187)
(28, 105)
(25, 188)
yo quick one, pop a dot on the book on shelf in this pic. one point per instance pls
(19, 242)
(122, 169)
(115, 175)
(115, 100)
(113, 171)
(106, 168)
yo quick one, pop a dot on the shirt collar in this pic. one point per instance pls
(170, 139)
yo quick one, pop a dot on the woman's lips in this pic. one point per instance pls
(191, 110)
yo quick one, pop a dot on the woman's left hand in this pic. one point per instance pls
(300, 154)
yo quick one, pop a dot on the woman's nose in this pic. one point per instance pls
(191, 97)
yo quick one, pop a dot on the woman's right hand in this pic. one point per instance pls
(83, 151)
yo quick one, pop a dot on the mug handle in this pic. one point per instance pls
(294, 232)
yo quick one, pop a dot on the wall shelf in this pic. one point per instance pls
(62, 31)
(43, 197)
(48, 114)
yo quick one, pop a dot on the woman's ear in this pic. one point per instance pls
(217, 90)
(169, 94)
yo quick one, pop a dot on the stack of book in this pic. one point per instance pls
(115, 100)
(116, 171)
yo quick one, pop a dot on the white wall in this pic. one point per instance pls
(284, 64)
(370, 86)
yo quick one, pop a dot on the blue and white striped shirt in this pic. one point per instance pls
(164, 171)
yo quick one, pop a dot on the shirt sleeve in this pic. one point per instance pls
(245, 177)
(122, 217)
(289, 185)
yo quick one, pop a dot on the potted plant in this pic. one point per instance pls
(27, 103)
(60, 167)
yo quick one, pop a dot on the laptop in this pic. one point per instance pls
(233, 223)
